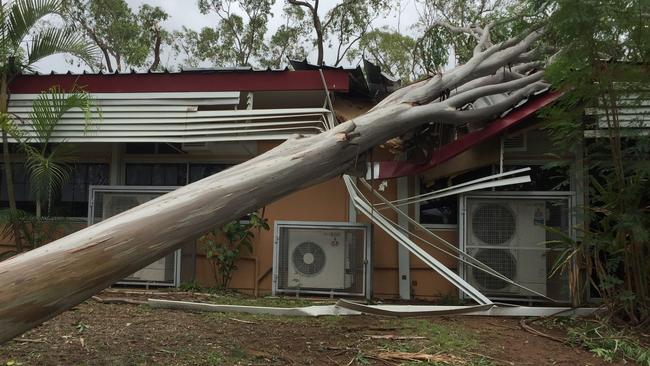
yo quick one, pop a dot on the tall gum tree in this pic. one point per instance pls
(342, 26)
(125, 38)
(238, 38)
(37, 285)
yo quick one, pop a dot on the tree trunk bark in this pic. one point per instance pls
(11, 195)
(107, 59)
(156, 52)
(319, 40)
(39, 284)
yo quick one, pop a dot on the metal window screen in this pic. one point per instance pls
(321, 259)
(510, 234)
(109, 201)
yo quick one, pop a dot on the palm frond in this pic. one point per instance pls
(4, 39)
(50, 106)
(9, 126)
(47, 174)
(46, 163)
(23, 15)
(51, 40)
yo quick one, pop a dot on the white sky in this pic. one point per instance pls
(186, 13)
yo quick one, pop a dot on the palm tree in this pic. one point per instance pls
(18, 19)
(46, 162)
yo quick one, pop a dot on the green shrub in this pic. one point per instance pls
(608, 342)
(224, 246)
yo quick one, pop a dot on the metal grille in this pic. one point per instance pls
(327, 259)
(109, 201)
(509, 233)
(309, 258)
(502, 261)
(493, 224)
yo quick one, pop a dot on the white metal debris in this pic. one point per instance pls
(345, 307)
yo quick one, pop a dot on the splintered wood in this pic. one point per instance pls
(420, 357)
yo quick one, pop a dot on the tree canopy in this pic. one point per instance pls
(125, 38)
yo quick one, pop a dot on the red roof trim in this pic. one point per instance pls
(337, 80)
(394, 169)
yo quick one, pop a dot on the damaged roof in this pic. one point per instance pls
(369, 82)
(519, 112)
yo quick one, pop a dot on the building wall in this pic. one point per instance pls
(327, 201)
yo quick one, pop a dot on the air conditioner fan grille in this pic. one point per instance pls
(500, 260)
(308, 258)
(493, 223)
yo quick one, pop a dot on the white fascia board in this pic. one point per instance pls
(225, 115)
(483, 179)
(180, 126)
(179, 140)
(157, 95)
(120, 108)
(92, 133)
(473, 187)
(494, 310)
(146, 102)
(341, 308)
(108, 119)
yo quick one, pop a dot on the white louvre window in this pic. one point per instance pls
(191, 119)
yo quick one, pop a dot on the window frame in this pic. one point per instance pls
(71, 219)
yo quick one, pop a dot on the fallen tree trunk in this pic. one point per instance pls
(37, 285)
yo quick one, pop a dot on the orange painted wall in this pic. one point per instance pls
(328, 201)
(425, 282)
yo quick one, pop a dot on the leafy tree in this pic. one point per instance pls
(343, 25)
(191, 47)
(19, 19)
(125, 38)
(152, 32)
(603, 63)
(224, 255)
(288, 39)
(454, 25)
(391, 51)
(45, 161)
(224, 45)
(238, 38)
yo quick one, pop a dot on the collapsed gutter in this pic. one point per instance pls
(364, 207)
(346, 307)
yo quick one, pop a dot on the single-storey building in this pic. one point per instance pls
(162, 130)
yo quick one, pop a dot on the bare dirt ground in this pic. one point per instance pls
(110, 334)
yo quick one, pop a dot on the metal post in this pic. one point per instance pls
(403, 254)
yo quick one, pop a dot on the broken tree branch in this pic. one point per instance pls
(37, 285)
